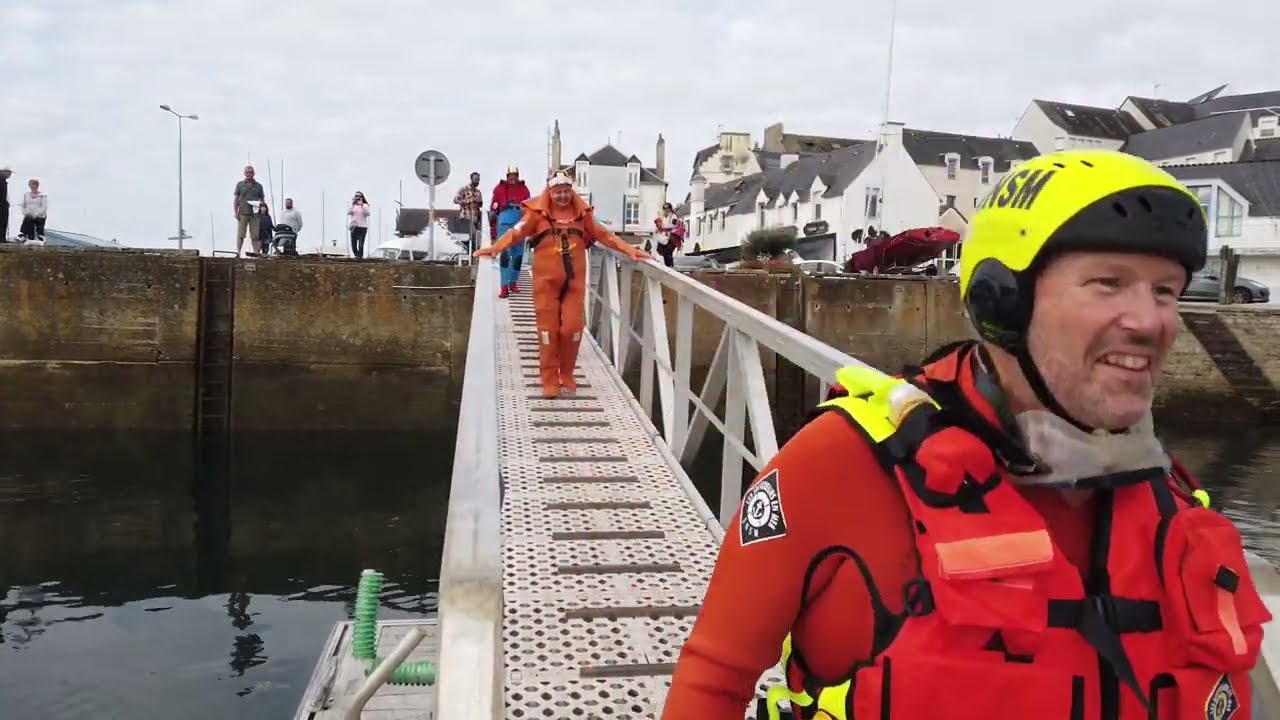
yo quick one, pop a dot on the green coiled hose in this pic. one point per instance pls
(364, 638)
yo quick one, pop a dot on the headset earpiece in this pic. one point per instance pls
(998, 305)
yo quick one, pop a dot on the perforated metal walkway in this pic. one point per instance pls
(605, 558)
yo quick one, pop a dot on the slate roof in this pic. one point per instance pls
(837, 170)
(1088, 121)
(1214, 132)
(1268, 149)
(1236, 103)
(794, 143)
(610, 156)
(1258, 181)
(1163, 113)
(928, 147)
(1207, 96)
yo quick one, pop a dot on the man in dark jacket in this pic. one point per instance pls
(4, 203)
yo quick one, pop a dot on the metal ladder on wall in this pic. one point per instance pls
(213, 374)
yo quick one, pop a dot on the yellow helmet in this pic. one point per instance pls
(1069, 200)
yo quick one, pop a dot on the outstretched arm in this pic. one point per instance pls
(609, 240)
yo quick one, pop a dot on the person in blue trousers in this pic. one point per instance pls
(513, 257)
(504, 213)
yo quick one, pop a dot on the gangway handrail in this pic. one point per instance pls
(1266, 674)
(471, 677)
(735, 373)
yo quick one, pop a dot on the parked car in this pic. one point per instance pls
(820, 267)
(1205, 283)
(685, 263)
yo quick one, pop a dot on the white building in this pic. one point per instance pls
(964, 168)
(824, 196)
(1054, 126)
(1242, 201)
(735, 156)
(1212, 127)
(626, 196)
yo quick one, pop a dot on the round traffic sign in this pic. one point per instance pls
(423, 165)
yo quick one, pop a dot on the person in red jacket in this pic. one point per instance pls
(999, 533)
(504, 213)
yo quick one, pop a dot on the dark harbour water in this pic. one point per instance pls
(123, 594)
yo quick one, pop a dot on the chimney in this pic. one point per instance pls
(773, 138)
(890, 134)
(662, 158)
(697, 195)
(555, 148)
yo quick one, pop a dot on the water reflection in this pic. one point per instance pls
(137, 581)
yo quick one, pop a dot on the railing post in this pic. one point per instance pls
(735, 425)
(610, 273)
(624, 311)
(679, 429)
(712, 388)
(661, 354)
(764, 439)
(647, 345)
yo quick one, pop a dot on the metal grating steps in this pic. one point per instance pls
(605, 558)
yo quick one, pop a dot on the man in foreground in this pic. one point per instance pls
(999, 534)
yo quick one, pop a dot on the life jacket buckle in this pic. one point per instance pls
(918, 598)
(1104, 605)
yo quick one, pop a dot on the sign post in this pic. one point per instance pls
(432, 168)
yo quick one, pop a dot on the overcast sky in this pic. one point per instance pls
(347, 93)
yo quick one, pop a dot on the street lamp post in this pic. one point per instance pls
(182, 234)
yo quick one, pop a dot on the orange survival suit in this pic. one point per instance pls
(914, 580)
(558, 238)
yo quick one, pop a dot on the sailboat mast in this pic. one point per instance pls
(884, 120)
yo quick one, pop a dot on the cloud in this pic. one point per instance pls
(346, 94)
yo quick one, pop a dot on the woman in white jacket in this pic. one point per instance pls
(35, 210)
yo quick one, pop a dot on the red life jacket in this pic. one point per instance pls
(1000, 624)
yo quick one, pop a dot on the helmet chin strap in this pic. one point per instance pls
(1041, 388)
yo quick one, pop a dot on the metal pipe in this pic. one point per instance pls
(383, 672)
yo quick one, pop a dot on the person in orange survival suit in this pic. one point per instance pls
(998, 534)
(560, 227)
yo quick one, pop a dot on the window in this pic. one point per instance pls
(984, 170)
(580, 173)
(795, 213)
(721, 219)
(1204, 193)
(631, 212)
(633, 177)
(1267, 125)
(698, 228)
(1060, 142)
(951, 201)
(726, 163)
(953, 165)
(1222, 156)
(817, 211)
(1230, 218)
(872, 206)
(760, 213)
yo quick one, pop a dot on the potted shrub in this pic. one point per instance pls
(767, 249)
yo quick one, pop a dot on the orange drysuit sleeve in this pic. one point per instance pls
(609, 240)
(823, 489)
